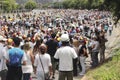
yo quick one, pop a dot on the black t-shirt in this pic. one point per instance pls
(81, 50)
(52, 47)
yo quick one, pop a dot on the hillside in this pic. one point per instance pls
(110, 69)
(38, 1)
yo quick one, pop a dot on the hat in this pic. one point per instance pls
(65, 38)
(2, 38)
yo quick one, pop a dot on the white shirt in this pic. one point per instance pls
(46, 61)
(28, 67)
(65, 55)
(2, 57)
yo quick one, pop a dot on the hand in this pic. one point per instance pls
(51, 73)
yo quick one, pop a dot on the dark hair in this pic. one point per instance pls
(53, 35)
(16, 41)
(37, 45)
(64, 43)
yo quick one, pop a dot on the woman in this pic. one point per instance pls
(36, 47)
(28, 68)
(42, 63)
(83, 54)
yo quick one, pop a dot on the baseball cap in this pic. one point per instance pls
(64, 38)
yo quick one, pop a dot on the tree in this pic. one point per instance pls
(30, 5)
(113, 6)
(8, 5)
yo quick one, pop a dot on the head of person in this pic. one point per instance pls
(26, 46)
(53, 35)
(39, 42)
(43, 48)
(65, 39)
(94, 38)
(9, 41)
(16, 41)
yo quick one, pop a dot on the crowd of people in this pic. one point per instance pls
(44, 41)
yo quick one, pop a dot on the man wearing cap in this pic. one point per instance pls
(3, 67)
(65, 55)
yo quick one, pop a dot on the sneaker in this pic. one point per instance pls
(81, 74)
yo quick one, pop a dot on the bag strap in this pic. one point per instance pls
(42, 64)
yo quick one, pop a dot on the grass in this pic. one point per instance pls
(110, 70)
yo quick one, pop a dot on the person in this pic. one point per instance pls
(76, 47)
(110, 28)
(52, 50)
(42, 64)
(95, 50)
(65, 54)
(15, 58)
(36, 47)
(28, 68)
(3, 67)
(102, 41)
(83, 55)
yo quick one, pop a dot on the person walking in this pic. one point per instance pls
(110, 28)
(102, 41)
(15, 58)
(37, 46)
(42, 64)
(83, 55)
(3, 67)
(65, 54)
(95, 50)
(52, 46)
(28, 68)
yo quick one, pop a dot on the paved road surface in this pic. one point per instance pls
(56, 77)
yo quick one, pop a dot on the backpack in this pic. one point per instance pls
(15, 58)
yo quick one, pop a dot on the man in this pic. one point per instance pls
(65, 55)
(15, 59)
(95, 51)
(52, 46)
(3, 67)
(102, 41)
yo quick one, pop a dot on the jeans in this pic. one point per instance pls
(102, 54)
(94, 59)
(14, 73)
(26, 76)
(75, 67)
(82, 62)
(3, 74)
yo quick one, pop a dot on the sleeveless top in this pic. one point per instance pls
(28, 68)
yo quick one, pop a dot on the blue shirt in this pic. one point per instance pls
(15, 56)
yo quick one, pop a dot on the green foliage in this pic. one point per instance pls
(108, 71)
(57, 5)
(76, 4)
(30, 5)
(8, 5)
(113, 6)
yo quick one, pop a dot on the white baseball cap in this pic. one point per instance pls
(64, 37)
